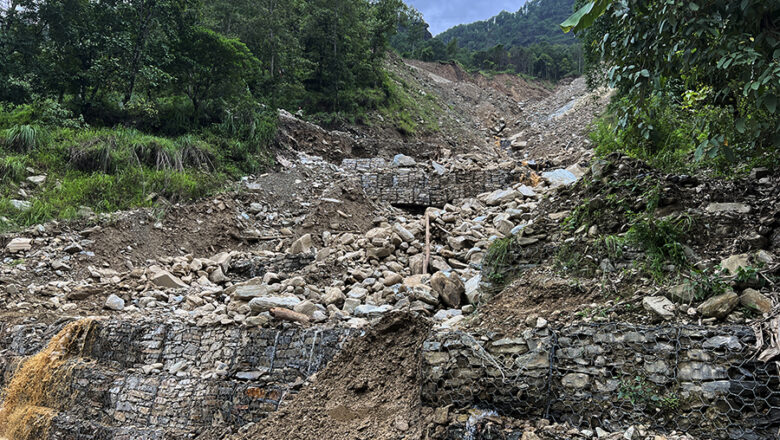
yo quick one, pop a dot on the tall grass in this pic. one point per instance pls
(25, 138)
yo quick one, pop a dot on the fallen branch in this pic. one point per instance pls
(427, 258)
(289, 315)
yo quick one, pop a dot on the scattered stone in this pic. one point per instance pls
(266, 303)
(250, 291)
(218, 277)
(733, 263)
(333, 295)
(372, 311)
(719, 306)
(167, 280)
(471, 289)
(306, 307)
(756, 301)
(288, 315)
(559, 177)
(37, 180)
(682, 293)
(19, 245)
(21, 205)
(257, 321)
(501, 196)
(739, 208)
(449, 287)
(303, 245)
(114, 302)
(526, 191)
(392, 278)
(404, 233)
(659, 305)
(401, 160)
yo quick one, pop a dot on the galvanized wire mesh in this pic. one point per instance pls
(701, 380)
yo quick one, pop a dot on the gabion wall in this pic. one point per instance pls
(700, 380)
(417, 187)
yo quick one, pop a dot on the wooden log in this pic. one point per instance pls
(289, 315)
(427, 258)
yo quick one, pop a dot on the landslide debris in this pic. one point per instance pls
(371, 390)
(628, 238)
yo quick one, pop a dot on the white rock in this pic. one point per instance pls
(501, 196)
(303, 245)
(167, 280)
(559, 177)
(659, 305)
(402, 160)
(404, 233)
(114, 302)
(19, 245)
(21, 205)
(266, 303)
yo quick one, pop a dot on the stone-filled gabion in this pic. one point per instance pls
(700, 380)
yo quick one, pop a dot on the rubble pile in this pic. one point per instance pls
(333, 276)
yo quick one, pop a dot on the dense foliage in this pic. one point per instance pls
(535, 22)
(123, 102)
(134, 61)
(527, 42)
(692, 77)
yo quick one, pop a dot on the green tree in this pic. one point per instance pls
(211, 68)
(720, 59)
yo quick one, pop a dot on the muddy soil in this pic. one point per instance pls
(371, 390)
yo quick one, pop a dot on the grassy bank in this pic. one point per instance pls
(110, 169)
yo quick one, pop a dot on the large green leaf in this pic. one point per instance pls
(585, 16)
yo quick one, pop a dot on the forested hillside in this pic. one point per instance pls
(692, 79)
(119, 100)
(535, 22)
(528, 41)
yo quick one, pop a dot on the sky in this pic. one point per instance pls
(444, 14)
